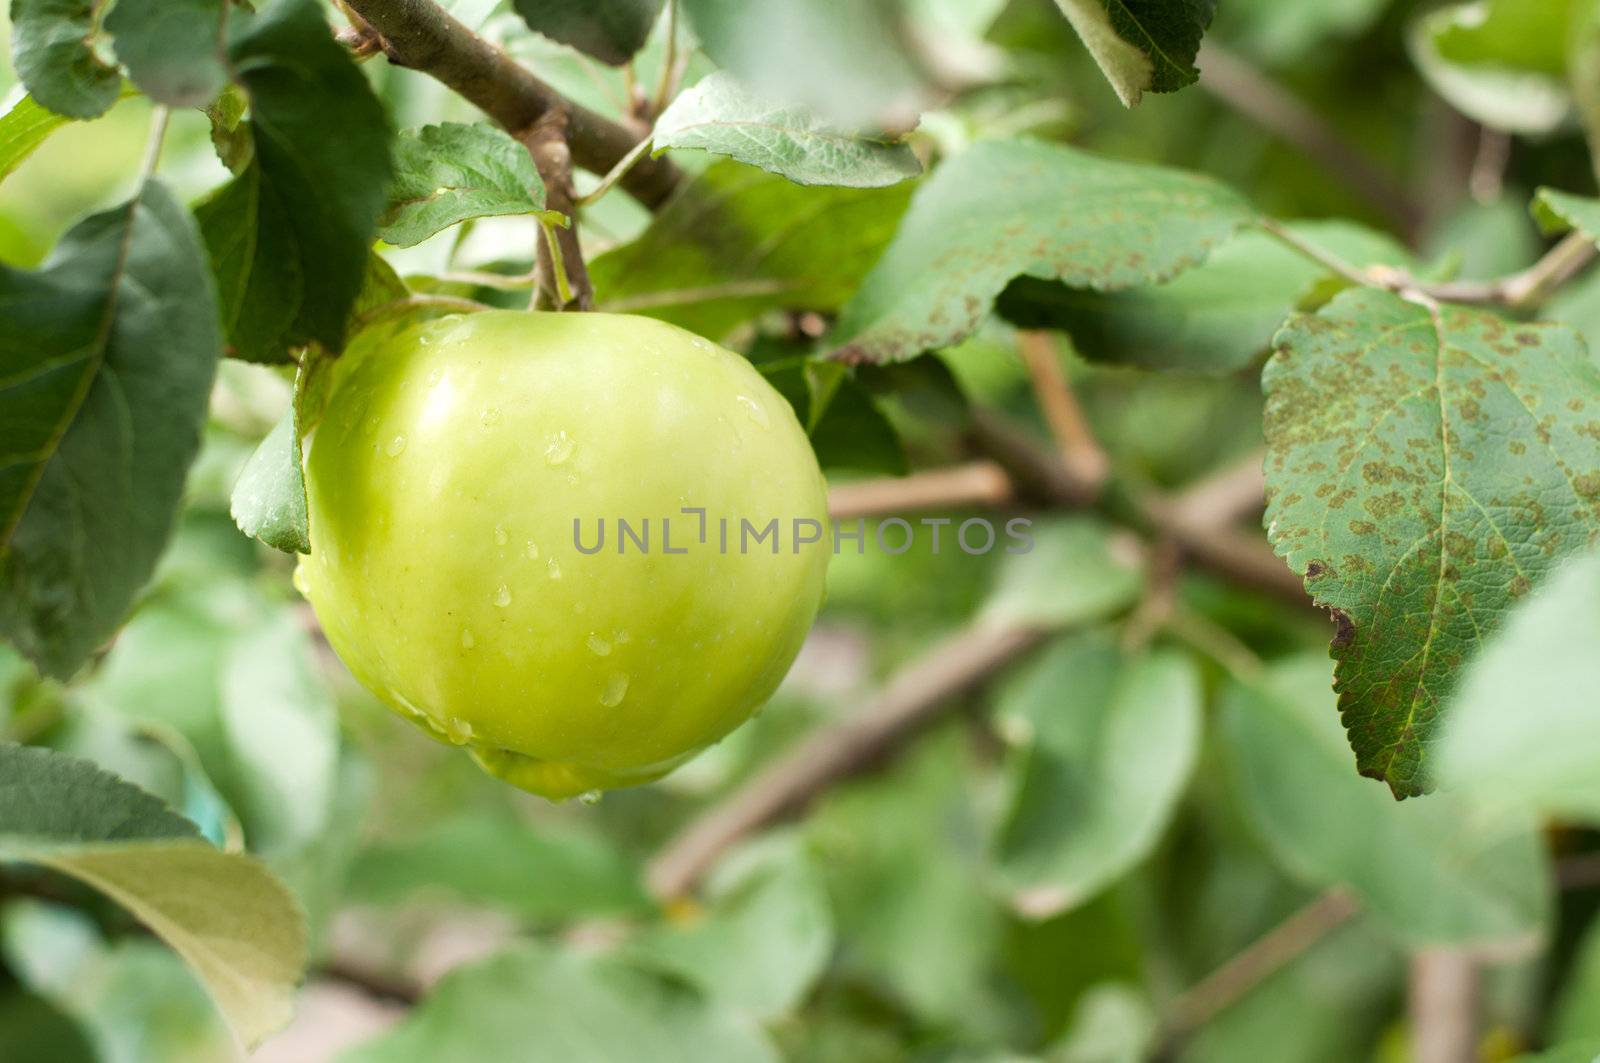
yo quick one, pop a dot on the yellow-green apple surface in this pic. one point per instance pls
(458, 480)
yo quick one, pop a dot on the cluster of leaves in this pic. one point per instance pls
(1433, 473)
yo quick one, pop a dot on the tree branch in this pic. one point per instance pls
(1080, 451)
(914, 697)
(1446, 996)
(1270, 105)
(419, 34)
(977, 483)
(562, 275)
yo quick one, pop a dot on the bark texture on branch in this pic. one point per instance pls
(421, 35)
(546, 141)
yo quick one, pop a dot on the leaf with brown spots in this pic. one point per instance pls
(1008, 208)
(1424, 470)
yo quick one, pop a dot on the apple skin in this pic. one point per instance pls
(443, 480)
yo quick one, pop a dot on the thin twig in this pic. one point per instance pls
(616, 174)
(563, 275)
(914, 698)
(397, 989)
(1062, 412)
(418, 300)
(666, 85)
(420, 35)
(1446, 1001)
(1256, 963)
(1272, 106)
(977, 483)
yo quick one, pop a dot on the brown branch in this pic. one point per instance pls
(397, 989)
(546, 141)
(1273, 107)
(1080, 451)
(1445, 1002)
(420, 35)
(1260, 960)
(977, 483)
(914, 698)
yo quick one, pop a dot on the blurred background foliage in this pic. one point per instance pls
(1049, 875)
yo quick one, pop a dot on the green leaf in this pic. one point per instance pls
(735, 242)
(766, 938)
(1103, 745)
(234, 924)
(106, 365)
(289, 236)
(173, 49)
(1574, 1052)
(52, 44)
(1521, 729)
(1142, 44)
(225, 914)
(1559, 211)
(1087, 221)
(27, 125)
(723, 117)
(538, 875)
(31, 1027)
(859, 71)
(1500, 62)
(1074, 570)
(1434, 871)
(444, 174)
(1218, 317)
(1425, 469)
(847, 427)
(269, 500)
(565, 1006)
(49, 795)
(610, 30)
(1577, 1010)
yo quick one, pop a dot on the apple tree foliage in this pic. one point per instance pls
(880, 203)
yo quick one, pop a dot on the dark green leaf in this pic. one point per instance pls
(173, 49)
(735, 242)
(52, 43)
(610, 30)
(565, 1006)
(721, 116)
(444, 174)
(51, 796)
(289, 236)
(1067, 572)
(1422, 476)
(31, 1028)
(1217, 317)
(106, 364)
(1142, 44)
(269, 501)
(1065, 215)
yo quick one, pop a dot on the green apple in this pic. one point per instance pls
(458, 480)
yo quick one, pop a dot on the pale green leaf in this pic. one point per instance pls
(235, 924)
(1559, 211)
(1500, 62)
(1422, 476)
(173, 49)
(1522, 725)
(1087, 221)
(444, 174)
(735, 242)
(106, 363)
(565, 1006)
(269, 500)
(52, 44)
(27, 125)
(723, 117)
(1217, 317)
(1068, 571)
(1103, 747)
(1437, 871)
(1139, 46)
(765, 938)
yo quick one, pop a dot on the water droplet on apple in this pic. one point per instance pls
(554, 567)
(533, 550)
(458, 731)
(489, 417)
(396, 445)
(500, 536)
(502, 597)
(755, 411)
(558, 449)
(435, 375)
(598, 646)
(590, 797)
(301, 581)
(467, 640)
(616, 689)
